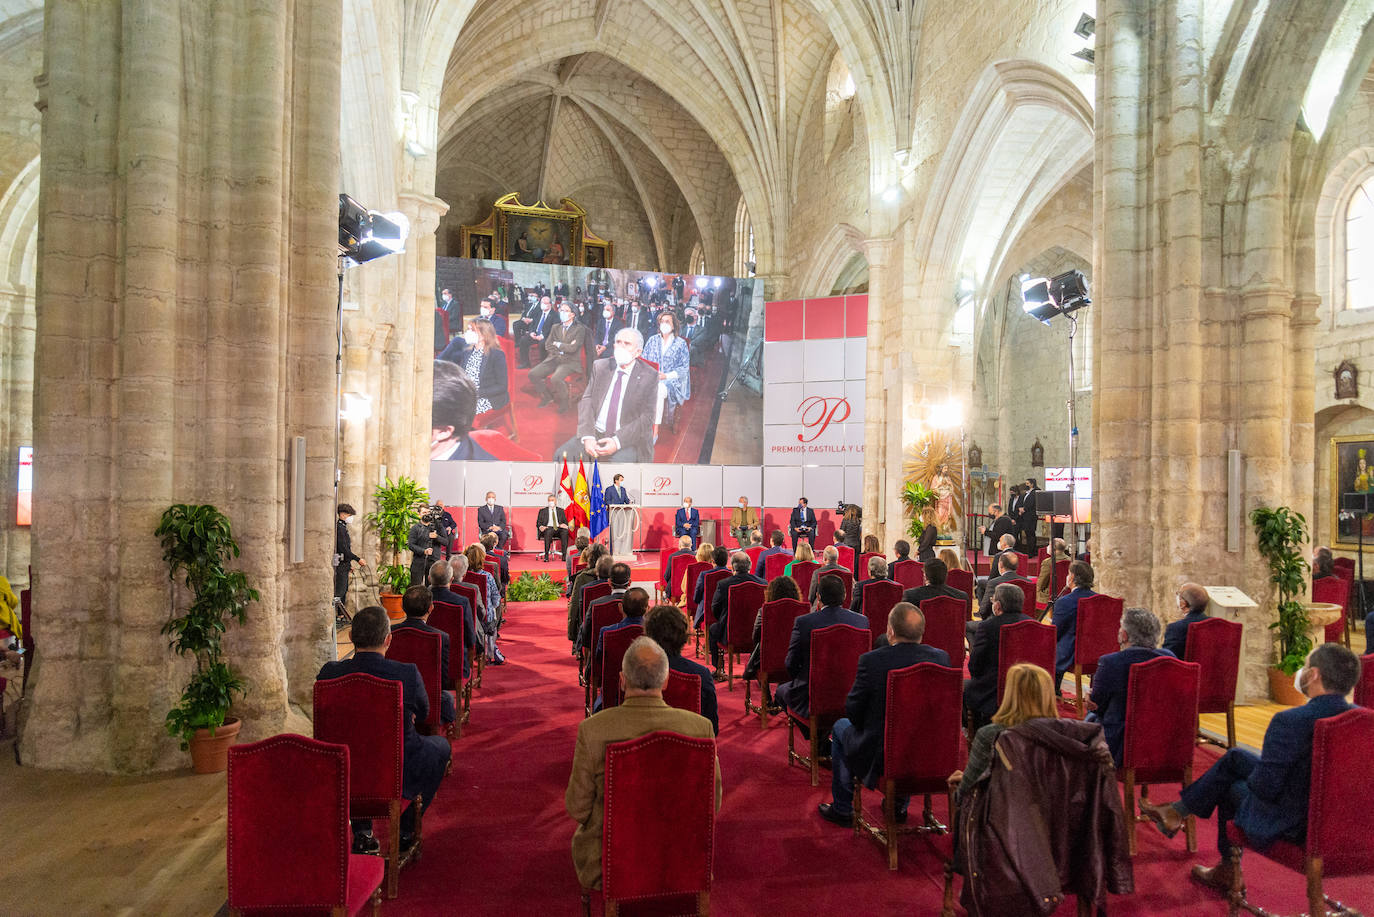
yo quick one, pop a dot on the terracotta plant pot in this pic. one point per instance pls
(1282, 691)
(392, 603)
(210, 754)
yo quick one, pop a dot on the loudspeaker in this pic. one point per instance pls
(1052, 501)
(296, 499)
(1358, 503)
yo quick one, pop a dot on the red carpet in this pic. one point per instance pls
(497, 838)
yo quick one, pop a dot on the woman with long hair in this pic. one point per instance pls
(478, 353)
(953, 560)
(872, 545)
(669, 350)
(925, 547)
(1029, 693)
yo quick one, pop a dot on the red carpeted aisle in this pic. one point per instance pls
(497, 837)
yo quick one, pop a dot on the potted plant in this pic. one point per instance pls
(917, 498)
(1279, 531)
(398, 508)
(196, 544)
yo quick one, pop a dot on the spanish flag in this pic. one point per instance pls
(579, 512)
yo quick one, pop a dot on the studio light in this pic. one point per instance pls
(1044, 299)
(356, 407)
(891, 194)
(366, 234)
(701, 283)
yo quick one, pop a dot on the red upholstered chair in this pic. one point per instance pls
(288, 836)
(366, 714)
(802, 572)
(1214, 644)
(683, 691)
(614, 643)
(1024, 641)
(711, 579)
(1340, 832)
(603, 616)
(742, 604)
(1161, 722)
(590, 593)
(863, 563)
(1061, 577)
(664, 553)
(1364, 688)
(835, 652)
(1022, 565)
(475, 599)
(502, 418)
(449, 619)
(879, 598)
(425, 651)
(848, 579)
(1335, 590)
(677, 571)
(1098, 622)
(920, 749)
(1027, 588)
(846, 554)
(775, 634)
(908, 572)
(774, 564)
(648, 850)
(494, 568)
(694, 570)
(963, 581)
(945, 627)
(754, 552)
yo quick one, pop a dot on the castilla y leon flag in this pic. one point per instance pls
(564, 482)
(581, 505)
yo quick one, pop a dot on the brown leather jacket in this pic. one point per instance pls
(1045, 821)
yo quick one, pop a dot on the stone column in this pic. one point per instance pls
(417, 286)
(880, 326)
(186, 297)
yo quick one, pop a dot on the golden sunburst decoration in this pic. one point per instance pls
(936, 461)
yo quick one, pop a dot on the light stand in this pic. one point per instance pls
(1072, 540)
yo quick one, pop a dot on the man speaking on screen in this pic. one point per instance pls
(616, 414)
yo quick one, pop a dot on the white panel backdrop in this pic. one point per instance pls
(703, 484)
(742, 480)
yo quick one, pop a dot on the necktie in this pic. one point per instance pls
(613, 412)
(539, 329)
(606, 338)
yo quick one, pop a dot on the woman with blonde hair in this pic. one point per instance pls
(705, 551)
(1029, 694)
(804, 553)
(952, 559)
(477, 556)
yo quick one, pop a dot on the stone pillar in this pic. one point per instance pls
(880, 325)
(186, 305)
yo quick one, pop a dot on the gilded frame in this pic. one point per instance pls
(1345, 474)
(555, 227)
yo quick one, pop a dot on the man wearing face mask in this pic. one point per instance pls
(491, 519)
(532, 328)
(638, 318)
(490, 311)
(616, 414)
(603, 335)
(1266, 796)
(344, 558)
(744, 522)
(687, 521)
(553, 526)
(564, 346)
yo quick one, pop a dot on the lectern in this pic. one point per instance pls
(624, 524)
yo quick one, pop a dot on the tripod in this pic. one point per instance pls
(751, 366)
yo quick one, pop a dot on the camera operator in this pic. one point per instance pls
(344, 558)
(446, 526)
(423, 542)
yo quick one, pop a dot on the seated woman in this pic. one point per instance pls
(782, 587)
(804, 554)
(478, 353)
(1029, 693)
(491, 597)
(669, 351)
(953, 560)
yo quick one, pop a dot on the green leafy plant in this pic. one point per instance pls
(197, 543)
(529, 588)
(398, 508)
(1279, 532)
(917, 498)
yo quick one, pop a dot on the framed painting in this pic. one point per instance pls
(480, 246)
(1352, 481)
(598, 254)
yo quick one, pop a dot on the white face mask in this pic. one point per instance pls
(686, 505)
(744, 506)
(491, 502)
(666, 328)
(487, 311)
(607, 314)
(471, 337)
(1297, 681)
(565, 316)
(552, 504)
(623, 356)
(348, 520)
(544, 307)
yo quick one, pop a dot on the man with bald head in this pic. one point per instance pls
(643, 673)
(1192, 607)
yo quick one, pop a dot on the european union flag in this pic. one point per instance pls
(600, 520)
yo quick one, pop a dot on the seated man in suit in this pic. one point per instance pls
(586, 640)
(776, 540)
(665, 625)
(416, 603)
(1065, 618)
(551, 526)
(615, 417)
(687, 521)
(586, 576)
(1060, 552)
(830, 563)
(802, 523)
(877, 572)
(902, 549)
(856, 743)
(795, 693)
(684, 549)
(936, 571)
(603, 333)
(980, 691)
(564, 346)
(616, 495)
(426, 757)
(618, 574)
(1138, 638)
(739, 563)
(1006, 546)
(635, 604)
(720, 557)
(1192, 607)
(491, 519)
(1004, 568)
(643, 673)
(440, 578)
(744, 522)
(1266, 796)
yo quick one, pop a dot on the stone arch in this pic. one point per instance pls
(1329, 228)
(829, 259)
(18, 326)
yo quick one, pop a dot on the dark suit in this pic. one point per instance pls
(709, 708)
(446, 711)
(857, 606)
(1265, 796)
(616, 496)
(641, 322)
(1026, 520)
(553, 529)
(449, 597)
(668, 568)
(822, 571)
(765, 554)
(493, 516)
(796, 693)
(1176, 633)
(1109, 692)
(919, 594)
(635, 430)
(417, 540)
(688, 522)
(985, 606)
(603, 335)
(802, 517)
(492, 382)
(564, 346)
(720, 607)
(857, 743)
(344, 559)
(426, 757)
(541, 323)
(980, 691)
(1002, 525)
(1065, 618)
(585, 638)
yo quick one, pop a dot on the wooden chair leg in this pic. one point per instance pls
(815, 754)
(890, 824)
(947, 907)
(377, 902)
(703, 904)
(611, 906)
(730, 667)
(791, 748)
(1235, 896)
(393, 851)
(1085, 907)
(1128, 804)
(1189, 823)
(1316, 901)
(1078, 691)
(1231, 725)
(586, 903)
(858, 806)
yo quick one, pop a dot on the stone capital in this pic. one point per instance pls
(877, 251)
(1305, 309)
(423, 210)
(1266, 300)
